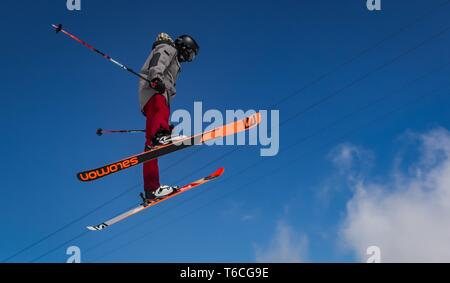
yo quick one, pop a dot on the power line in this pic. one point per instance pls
(67, 225)
(347, 86)
(366, 75)
(363, 52)
(335, 93)
(61, 245)
(320, 78)
(272, 172)
(62, 228)
(258, 163)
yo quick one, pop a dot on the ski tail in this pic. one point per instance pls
(97, 227)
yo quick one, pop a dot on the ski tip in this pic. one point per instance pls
(91, 228)
(218, 172)
(99, 132)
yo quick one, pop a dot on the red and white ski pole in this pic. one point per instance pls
(102, 132)
(58, 28)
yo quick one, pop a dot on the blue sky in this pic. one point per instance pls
(329, 57)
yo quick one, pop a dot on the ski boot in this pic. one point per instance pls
(163, 137)
(160, 193)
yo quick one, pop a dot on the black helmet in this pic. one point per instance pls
(187, 48)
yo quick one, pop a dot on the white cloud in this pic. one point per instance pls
(237, 210)
(351, 160)
(407, 214)
(345, 154)
(287, 246)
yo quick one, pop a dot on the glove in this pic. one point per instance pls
(158, 85)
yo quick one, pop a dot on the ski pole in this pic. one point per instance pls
(58, 28)
(102, 132)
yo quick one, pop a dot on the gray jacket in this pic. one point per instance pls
(162, 63)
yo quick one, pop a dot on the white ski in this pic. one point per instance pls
(144, 206)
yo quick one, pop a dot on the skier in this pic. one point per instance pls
(161, 68)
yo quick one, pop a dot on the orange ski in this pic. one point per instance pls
(223, 131)
(142, 207)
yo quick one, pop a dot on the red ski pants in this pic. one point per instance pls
(157, 112)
